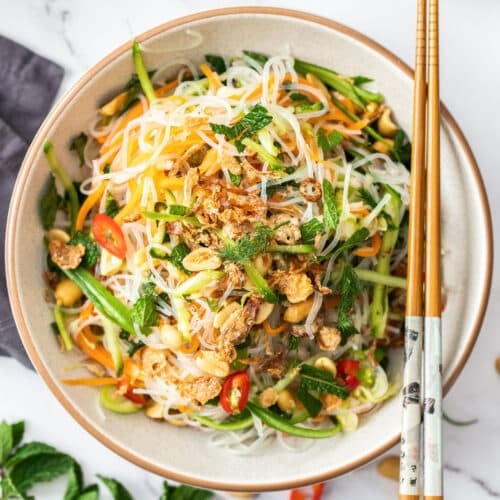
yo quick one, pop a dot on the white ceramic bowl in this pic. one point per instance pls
(182, 453)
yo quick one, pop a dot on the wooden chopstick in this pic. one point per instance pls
(426, 148)
(410, 471)
(432, 435)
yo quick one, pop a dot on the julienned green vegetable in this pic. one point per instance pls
(115, 402)
(380, 278)
(104, 301)
(233, 425)
(297, 249)
(380, 302)
(111, 334)
(142, 72)
(279, 423)
(58, 171)
(61, 326)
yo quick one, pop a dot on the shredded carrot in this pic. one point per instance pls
(360, 211)
(93, 381)
(213, 78)
(275, 331)
(88, 204)
(372, 250)
(359, 125)
(191, 347)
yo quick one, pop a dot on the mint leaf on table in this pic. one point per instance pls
(39, 468)
(49, 204)
(91, 492)
(6, 441)
(9, 489)
(91, 254)
(77, 144)
(256, 119)
(75, 482)
(28, 450)
(330, 212)
(184, 492)
(117, 490)
(17, 432)
(319, 380)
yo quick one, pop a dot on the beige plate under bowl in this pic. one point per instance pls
(183, 453)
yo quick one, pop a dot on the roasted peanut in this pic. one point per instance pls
(298, 312)
(385, 125)
(201, 259)
(265, 310)
(328, 338)
(389, 467)
(327, 364)
(225, 313)
(268, 397)
(67, 293)
(154, 410)
(210, 362)
(285, 401)
(383, 147)
(263, 263)
(297, 287)
(330, 401)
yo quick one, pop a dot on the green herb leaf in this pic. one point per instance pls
(117, 490)
(49, 204)
(308, 107)
(77, 144)
(367, 198)
(235, 179)
(358, 237)
(312, 404)
(350, 288)
(29, 450)
(111, 207)
(90, 492)
(75, 482)
(106, 169)
(144, 312)
(256, 119)
(6, 441)
(91, 254)
(148, 288)
(177, 256)
(310, 229)
(132, 87)
(9, 490)
(319, 380)
(401, 151)
(330, 212)
(360, 79)
(217, 63)
(330, 141)
(297, 96)
(39, 468)
(256, 56)
(184, 492)
(178, 209)
(213, 304)
(293, 343)
(248, 246)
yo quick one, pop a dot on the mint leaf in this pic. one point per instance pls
(310, 229)
(111, 207)
(144, 311)
(248, 246)
(178, 210)
(91, 492)
(401, 150)
(91, 254)
(217, 63)
(367, 198)
(329, 142)
(49, 204)
(256, 119)
(9, 490)
(6, 441)
(177, 256)
(77, 144)
(39, 468)
(330, 213)
(298, 97)
(350, 288)
(235, 179)
(184, 492)
(312, 404)
(28, 450)
(319, 380)
(117, 490)
(357, 237)
(75, 482)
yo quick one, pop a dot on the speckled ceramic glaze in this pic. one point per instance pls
(183, 453)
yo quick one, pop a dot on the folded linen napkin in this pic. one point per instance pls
(28, 86)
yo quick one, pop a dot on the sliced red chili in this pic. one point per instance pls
(124, 387)
(235, 391)
(351, 381)
(297, 495)
(109, 235)
(318, 491)
(347, 367)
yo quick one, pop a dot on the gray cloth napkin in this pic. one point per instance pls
(28, 85)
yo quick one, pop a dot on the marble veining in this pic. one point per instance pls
(80, 32)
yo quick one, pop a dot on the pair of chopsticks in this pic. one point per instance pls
(421, 468)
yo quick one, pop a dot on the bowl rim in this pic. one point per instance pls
(28, 165)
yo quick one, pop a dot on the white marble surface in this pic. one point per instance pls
(79, 33)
